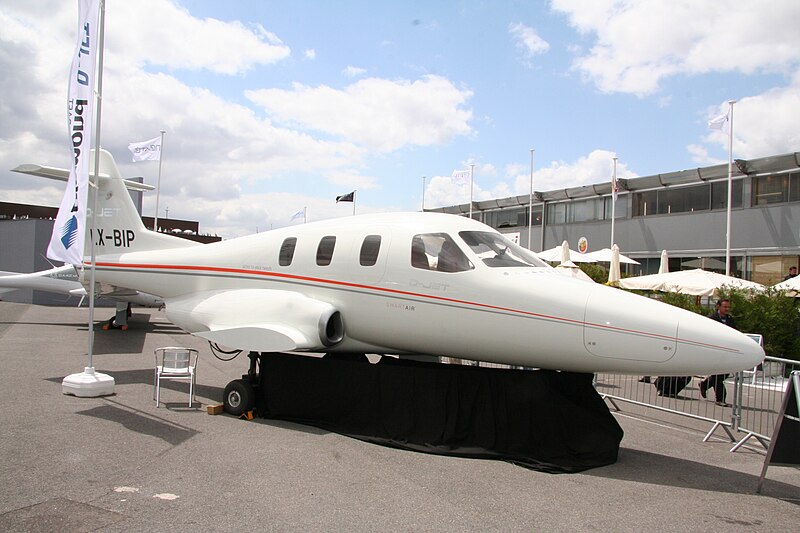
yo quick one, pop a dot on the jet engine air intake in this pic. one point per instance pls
(331, 327)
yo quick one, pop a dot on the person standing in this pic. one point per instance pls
(722, 314)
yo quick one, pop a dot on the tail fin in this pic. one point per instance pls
(118, 227)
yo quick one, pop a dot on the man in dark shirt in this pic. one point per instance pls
(722, 314)
(792, 273)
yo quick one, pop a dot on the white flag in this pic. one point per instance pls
(146, 150)
(614, 187)
(299, 214)
(722, 122)
(69, 229)
(460, 177)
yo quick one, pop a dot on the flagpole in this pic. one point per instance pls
(90, 384)
(530, 205)
(354, 203)
(98, 113)
(471, 181)
(305, 209)
(730, 193)
(158, 183)
(423, 194)
(613, 201)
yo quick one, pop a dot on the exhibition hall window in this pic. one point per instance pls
(776, 189)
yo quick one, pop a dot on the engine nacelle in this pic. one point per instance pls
(259, 319)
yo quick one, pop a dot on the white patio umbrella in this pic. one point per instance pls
(663, 267)
(604, 256)
(567, 267)
(553, 255)
(613, 269)
(696, 282)
(791, 286)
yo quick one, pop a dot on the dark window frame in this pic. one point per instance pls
(286, 253)
(325, 249)
(370, 249)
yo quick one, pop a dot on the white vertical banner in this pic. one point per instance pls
(67, 240)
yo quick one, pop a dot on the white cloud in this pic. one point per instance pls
(701, 157)
(379, 114)
(527, 40)
(310, 53)
(353, 72)
(639, 44)
(352, 180)
(215, 151)
(763, 125)
(597, 167)
(158, 32)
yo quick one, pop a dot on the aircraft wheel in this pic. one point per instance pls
(238, 397)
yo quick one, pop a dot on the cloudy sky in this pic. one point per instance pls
(271, 106)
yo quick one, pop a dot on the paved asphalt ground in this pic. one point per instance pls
(118, 463)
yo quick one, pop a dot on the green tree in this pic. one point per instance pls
(771, 313)
(684, 301)
(595, 271)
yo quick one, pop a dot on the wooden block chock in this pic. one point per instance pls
(214, 409)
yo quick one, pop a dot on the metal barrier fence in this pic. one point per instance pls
(754, 397)
(688, 401)
(759, 394)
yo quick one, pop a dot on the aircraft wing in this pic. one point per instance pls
(62, 174)
(64, 280)
(262, 320)
(60, 279)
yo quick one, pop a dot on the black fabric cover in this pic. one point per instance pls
(548, 421)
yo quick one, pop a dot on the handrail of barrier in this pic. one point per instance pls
(686, 402)
(759, 396)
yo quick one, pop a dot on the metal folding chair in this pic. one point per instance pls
(176, 363)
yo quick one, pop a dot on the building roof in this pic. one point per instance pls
(742, 167)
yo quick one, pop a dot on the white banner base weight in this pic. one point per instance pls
(88, 384)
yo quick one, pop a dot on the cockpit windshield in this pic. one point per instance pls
(498, 252)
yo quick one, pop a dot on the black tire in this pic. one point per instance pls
(238, 397)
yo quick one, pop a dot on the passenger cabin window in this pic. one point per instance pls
(369, 250)
(286, 253)
(325, 250)
(497, 251)
(438, 251)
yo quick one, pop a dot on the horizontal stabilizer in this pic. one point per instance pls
(62, 174)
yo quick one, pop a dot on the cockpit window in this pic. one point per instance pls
(438, 251)
(497, 251)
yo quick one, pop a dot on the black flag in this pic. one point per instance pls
(346, 197)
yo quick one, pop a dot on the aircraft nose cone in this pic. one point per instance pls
(714, 347)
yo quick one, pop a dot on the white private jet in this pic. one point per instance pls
(399, 283)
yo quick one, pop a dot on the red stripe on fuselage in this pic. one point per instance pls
(323, 281)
